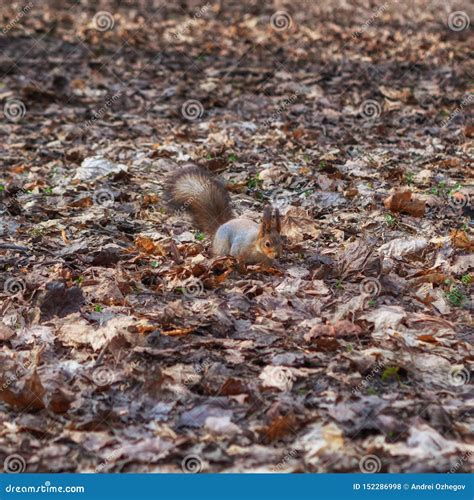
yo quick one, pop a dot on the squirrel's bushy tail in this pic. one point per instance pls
(203, 197)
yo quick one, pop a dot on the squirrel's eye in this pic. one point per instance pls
(268, 244)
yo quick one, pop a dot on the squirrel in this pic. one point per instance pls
(205, 199)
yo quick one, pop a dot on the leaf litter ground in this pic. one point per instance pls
(126, 347)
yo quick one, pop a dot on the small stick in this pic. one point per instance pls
(175, 252)
(9, 246)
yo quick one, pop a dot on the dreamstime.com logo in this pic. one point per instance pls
(198, 13)
(281, 21)
(285, 104)
(199, 369)
(47, 487)
(103, 21)
(14, 320)
(12, 200)
(370, 109)
(370, 287)
(21, 371)
(280, 377)
(458, 376)
(21, 14)
(193, 378)
(14, 464)
(369, 378)
(192, 109)
(98, 115)
(288, 456)
(370, 464)
(111, 457)
(458, 21)
(14, 110)
(12, 286)
(458, 200)
(464, 104)
(281, 200)
(191, 464)
(103, 376)
(192, 288)
(377, 13)
(460, 462)
(104, 197)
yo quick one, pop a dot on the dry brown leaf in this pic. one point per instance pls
(214, 281)
(358, 257)
(343, 328)
(450, 163)
(143, 328)
(233, 387)
(150, 199)
(430, 278)
(24, 395)
(60, 400)
(326, 344)
(403, 202)
(401, 247)
(85, 202)
(280, 427)
(64, 237)
(279, 377)
(178, 332)
(148, 246)
(297, 222)
(5, 332)
(428, 338)
(460, 239)
(395, 94)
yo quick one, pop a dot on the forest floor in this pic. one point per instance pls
(125, 347)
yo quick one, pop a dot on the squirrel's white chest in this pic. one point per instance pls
(237, 238)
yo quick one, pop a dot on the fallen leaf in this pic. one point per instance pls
(196, 417)
(279, 427)
(437, 278)
(6, 332)
(320, 439)
(396, 94)
(222, 425)
(59, 401)
(96, 167)
(400, 247)
(404, 202)
(26, 394)
(343, 328)
(148, 246)
(58, 300)
(460, 239)
(178, 332)
(358, 257)
(297, 222)
(279, 377)
(385, 317)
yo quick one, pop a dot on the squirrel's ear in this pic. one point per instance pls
(266, 225)
(277, 221)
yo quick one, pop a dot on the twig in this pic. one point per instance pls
(8, 246)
